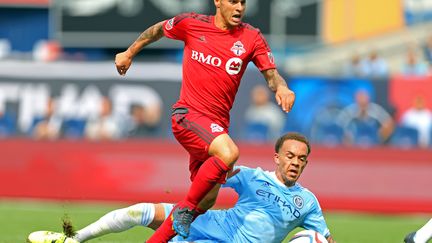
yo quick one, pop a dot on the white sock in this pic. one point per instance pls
(424, 233)
(117, 221)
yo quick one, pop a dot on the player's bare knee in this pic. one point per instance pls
(232, 156)
(225, 149)
(229, 156)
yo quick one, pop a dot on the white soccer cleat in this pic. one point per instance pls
(49, 237)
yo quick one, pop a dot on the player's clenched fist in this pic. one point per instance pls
(285, 98)
(122, 62)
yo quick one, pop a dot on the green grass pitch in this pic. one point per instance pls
(20, 217)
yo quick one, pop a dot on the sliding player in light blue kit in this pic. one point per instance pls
(270, 205)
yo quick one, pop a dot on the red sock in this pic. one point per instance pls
(164, 233)
(211, 172)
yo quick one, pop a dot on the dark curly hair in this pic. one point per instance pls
(294, 136)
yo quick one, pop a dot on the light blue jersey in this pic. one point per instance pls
(266, 211)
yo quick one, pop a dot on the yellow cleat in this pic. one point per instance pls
(49, 237)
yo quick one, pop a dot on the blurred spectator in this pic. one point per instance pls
(356, 67)
(364, 122)
(412, 65)
(420, 118)
(47, 126)
(427, 49)
(106, 126)
(376, 66)
(264, 119)
(145, 121)
(7, 123)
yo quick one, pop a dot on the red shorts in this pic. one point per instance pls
(195, 132)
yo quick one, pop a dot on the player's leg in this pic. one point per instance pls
(422, 235)
(214, 170)
(210, 199)
(166, 231)
(425, 233)
(221, 152)
(212, 153)
(206, 141)
(145, 214)
(224, 153)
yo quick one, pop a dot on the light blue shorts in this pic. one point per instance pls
(204, 229)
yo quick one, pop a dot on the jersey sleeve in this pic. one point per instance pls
(262, 57)
(314, 220)
(176, 27)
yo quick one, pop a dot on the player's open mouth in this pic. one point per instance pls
(236, 17)
(293, 172)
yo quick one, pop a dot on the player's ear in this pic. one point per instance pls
(217, 3)
(276, 158)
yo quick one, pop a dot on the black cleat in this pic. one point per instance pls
(182, 219)
(409, 238)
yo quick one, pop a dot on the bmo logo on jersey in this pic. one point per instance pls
(207, 59)
(234, 65)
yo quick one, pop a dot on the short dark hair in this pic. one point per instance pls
(294, 136)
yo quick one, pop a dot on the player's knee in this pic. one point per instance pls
(234, 155)
(230, 155)
(141, 213)
(225, 149)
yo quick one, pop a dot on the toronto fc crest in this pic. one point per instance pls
(216, 128)
(169, 24)
(271, 57)
(238, 48)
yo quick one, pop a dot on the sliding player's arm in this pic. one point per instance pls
(123, 60)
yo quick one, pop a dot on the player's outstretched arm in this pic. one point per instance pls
(284, 96)
(123, 60)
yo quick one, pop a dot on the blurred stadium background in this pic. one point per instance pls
(58, 81)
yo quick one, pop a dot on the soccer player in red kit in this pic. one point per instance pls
(216, 52)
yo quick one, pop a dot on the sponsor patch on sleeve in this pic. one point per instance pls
(271, 57)
(169, 24)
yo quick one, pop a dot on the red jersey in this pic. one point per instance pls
(214, 62)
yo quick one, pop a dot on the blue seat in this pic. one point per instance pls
(328, 134)
(365, 134)
(7, 126)
(256, 132)
(73, 128)
(405, 137)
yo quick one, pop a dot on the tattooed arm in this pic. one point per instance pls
(123, 60)
(284, 96)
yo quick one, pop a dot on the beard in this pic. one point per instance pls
(288, 182)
